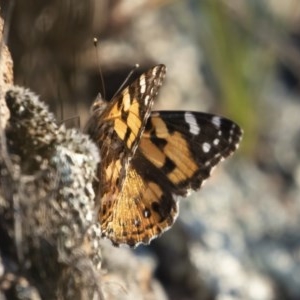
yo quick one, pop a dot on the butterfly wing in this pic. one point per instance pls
(176, 153)
(186, 146)
(133, 219)
(117, 128)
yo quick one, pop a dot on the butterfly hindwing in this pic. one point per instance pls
(135, 218)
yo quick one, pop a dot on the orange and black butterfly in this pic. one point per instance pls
(148, 158)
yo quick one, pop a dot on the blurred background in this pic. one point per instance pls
(239, 237)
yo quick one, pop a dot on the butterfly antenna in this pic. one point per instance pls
(99, 66)
(136, 66)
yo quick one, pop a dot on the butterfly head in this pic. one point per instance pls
(98, 106)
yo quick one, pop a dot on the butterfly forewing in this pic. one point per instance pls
(117, 128)
(147, 160)
(185, 146)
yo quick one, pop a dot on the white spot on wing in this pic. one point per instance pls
(206, 147)
(191, 120)
(216, 142)
(207, 164)
(147, 98)
(216, 121)
(143, 84)
(146, 213)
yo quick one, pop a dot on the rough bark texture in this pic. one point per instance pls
(49, 240)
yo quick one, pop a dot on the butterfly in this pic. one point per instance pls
(149, 158)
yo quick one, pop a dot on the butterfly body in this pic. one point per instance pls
(149, 158)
